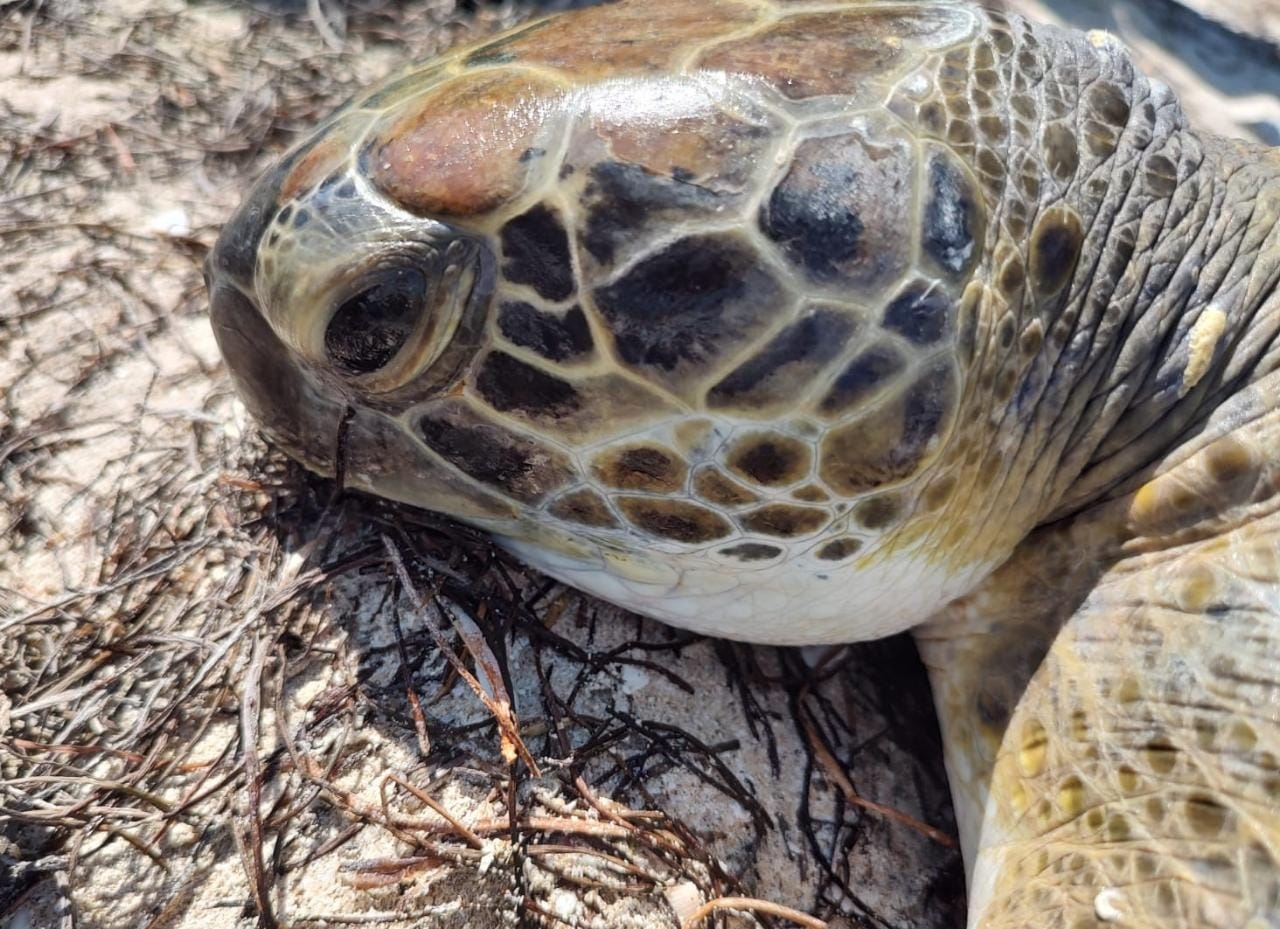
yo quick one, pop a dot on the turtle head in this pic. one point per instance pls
(336, 312)
(684, 341)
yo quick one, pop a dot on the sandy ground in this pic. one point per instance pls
(220, 703)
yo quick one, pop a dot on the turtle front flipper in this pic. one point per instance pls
(1111, 708)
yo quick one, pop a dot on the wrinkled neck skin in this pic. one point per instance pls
(1166, 245)
(1163, 343)
(1191, 321)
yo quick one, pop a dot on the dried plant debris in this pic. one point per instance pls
(231, 697)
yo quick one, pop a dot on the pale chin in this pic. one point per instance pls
(799, 601)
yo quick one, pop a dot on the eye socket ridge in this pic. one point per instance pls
(370, 327)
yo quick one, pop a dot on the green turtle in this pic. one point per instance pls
(811, 322)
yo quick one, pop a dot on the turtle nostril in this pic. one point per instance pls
(369, 328)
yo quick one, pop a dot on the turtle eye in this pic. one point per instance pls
(370, 327)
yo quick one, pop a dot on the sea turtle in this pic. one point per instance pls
(807, 322)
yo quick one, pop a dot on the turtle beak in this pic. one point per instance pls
(281, 396)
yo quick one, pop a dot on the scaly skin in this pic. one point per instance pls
(792, 323)
(1127, 746)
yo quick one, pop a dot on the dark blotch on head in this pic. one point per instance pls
(929, 403)
(714, 487)
(863, 377)
(1056, 244)
(815, 228)
(891, 441)
(786, 362)
(535, 249)
(554, 337)
(751, 551)
(623, 197)
(1012, 276)
(938, 493)
(783, 519)
(838, 549)
(522, 468)
(920, 314)
(692, 301)
(950, 216)
(641, 467)
(771, 460)
(499, 51)
(1005, 331)
(394, 92)
(674, 519)
(511, 385)
(583, 506)
(368, 329)
(993, 706)
(878, 512)
(842, 211)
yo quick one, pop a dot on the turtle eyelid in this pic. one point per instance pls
(369, 328)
